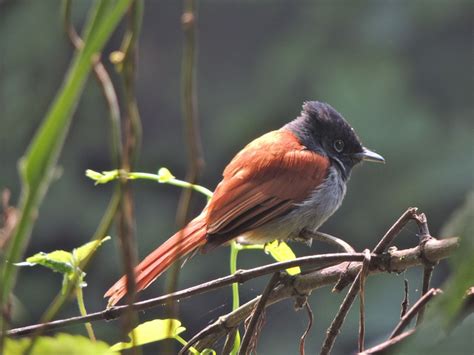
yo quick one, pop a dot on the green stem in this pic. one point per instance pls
(38, 165)
(83, 311)
(173, 181)
(184, 342)
(234, 252)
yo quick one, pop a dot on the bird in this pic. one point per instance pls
(281, 185)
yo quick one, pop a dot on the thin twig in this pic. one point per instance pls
(364, 273)
(329, 239)
(308, 327)
(250, 331)
(383, 244)
(424, 234)
(387, 239)
(386, 345)
(337, 322)
(405, 302)
(417, 307)
(427, 272)
(193, 140)
(396, 261)
(229, 341)
(131, 145)
(240, 276)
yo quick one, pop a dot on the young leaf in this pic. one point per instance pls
(149, 332)
(63, 261)
(58, 261)
(280, 251)
(83, 252)
(60, 344)
(104, 177)
(164, 175)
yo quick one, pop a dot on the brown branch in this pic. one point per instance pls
(397, 261)
(417, 307)
(329, 239)
(424, 234)
(397, 227)
(364, 272)
(250, 331)
(127, 67)
(338, 320)
(193, 140)
(308, 328)
(386, 345)
(346, 305)
(240, 276)
(404, 306)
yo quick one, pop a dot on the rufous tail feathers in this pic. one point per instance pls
(180, 244)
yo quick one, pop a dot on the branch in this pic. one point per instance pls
(193, 141)
(396, 261)
(386, 345)
(249, 333)
(346, 305)
(416, 309)
(240, 276)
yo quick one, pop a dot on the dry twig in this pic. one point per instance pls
(396, 261)
(308, 328)
(416, 309)
(250, 333)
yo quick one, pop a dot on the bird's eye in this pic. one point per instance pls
(338, 145)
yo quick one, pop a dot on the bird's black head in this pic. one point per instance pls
(323, 130)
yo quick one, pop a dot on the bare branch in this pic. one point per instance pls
(240, 276)
(250, 331)
(346, 305)
(417, 307)
(386, 345)
(387, 239)
(398, 261)
(405, 299)
(329, 239)
(424, 235)
(308, 328)
(364, 273)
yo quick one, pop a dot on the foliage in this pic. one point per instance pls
(62, 343)
(66, 263)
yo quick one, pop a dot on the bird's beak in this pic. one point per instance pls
(369, 155)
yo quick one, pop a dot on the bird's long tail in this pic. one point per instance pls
(180, 244)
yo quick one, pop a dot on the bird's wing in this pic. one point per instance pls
(262, 182)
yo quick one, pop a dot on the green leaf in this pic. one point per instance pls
(84, 251)
(103, 177)
(280, 251)
(58, 261)
(164, 175)
(39, 162)
(60, 344)
(63, 261)
(149, 332)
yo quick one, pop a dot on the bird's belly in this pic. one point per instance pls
(309, 214)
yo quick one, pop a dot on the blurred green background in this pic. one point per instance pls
(400, 72)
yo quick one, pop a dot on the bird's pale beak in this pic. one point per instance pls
(369, 155)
